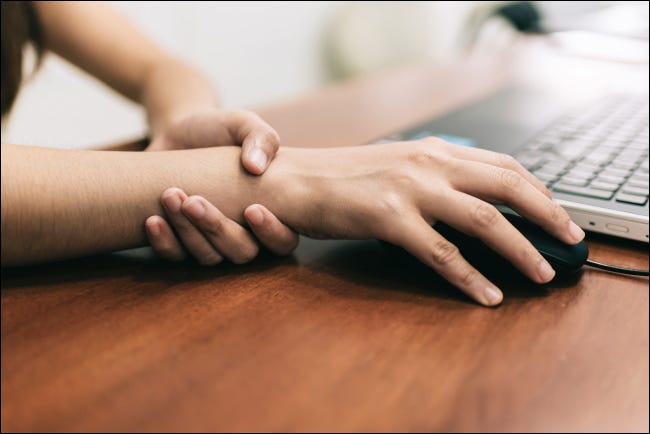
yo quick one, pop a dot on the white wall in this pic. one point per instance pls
(255, 52)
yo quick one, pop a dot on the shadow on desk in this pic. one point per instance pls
(361, 269)
(140, 265)
(375, 267)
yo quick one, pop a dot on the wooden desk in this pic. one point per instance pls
(337, 337)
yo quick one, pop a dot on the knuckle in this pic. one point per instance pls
(213, 226)
(468, 277)
(507, 161)
(557, 214)
(434, 141)
(209, 259)
(485, 215)
(392, 204)
(510, 179)
(528, 255)
(425, 156)
(444, 252)
(246, 255)
(271, 137)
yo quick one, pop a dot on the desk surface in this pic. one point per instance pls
(339, 336)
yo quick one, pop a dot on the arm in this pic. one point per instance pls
(181, 106)
(177, 97)
(393, 192)
(102, 42)
(66, 203)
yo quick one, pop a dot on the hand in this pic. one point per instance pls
(210, 236)
(396, 192)
(259, 144)
(209, 128)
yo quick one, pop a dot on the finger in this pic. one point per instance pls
(193, 239)
(228, 237)
(500, 160)
(482, 220)
(162, 239)
(421, 240)
(495, 184)
(259, 141)
(270, 231)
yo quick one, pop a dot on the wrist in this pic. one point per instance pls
(283, 188)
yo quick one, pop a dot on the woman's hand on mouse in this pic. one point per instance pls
(396, 192)
(212, 237)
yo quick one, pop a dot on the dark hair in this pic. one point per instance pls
(19, 27)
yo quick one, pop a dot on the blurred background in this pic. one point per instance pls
(263, 52)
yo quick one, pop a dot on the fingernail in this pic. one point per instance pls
(255, 216)
(576, 233)
(154, 229)
(258, 158)
(195, 209)
(493, 295)
(546, 272)
(172, 202)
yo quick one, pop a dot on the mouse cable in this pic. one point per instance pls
(616, 269)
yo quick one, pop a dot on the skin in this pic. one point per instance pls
(181, 106)
(393, 192)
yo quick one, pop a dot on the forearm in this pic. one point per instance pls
(114, 51)
(171, 90)
(59, 204)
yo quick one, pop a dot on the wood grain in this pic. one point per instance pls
(340, 336)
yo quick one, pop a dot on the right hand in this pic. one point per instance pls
(209, 236)
(396, 192)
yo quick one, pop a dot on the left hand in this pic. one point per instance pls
(212, 236)
(202, 231)
(214, 127)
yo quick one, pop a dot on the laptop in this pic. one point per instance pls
(592, 154)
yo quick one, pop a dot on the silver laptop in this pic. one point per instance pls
(591, 154)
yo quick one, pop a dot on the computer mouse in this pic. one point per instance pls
(564, 258)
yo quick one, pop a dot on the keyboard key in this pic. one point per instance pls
(600, 185)
(610, 171)
(548, 172)
(635, 191)
(583, 191)
(574, 181)
(577, 173)
(530, 160)
(611, 179)
(598, 158)
(545, 177)
(637, 183)
(554, 166)
(587, 167)
(628, 198)
(570, 149)
(623, 165)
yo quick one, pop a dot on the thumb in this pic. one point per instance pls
(259, 149)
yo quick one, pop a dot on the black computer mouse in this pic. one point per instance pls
(564, 258)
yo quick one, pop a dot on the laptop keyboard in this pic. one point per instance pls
(600, 151)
